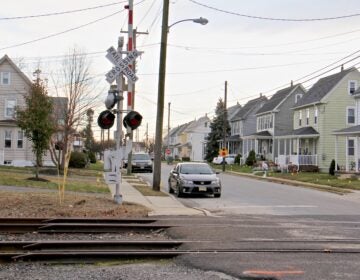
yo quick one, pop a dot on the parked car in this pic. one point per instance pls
(140, 162)
(229, 159)
(194, 178)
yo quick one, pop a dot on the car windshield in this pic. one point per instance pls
(196, 169)
(141, 157)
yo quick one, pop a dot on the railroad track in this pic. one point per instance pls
(88, 251)
(77, 225)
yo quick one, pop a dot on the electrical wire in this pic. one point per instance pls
(62, 32)
(64, 12)
(66, 31)
(273, 18)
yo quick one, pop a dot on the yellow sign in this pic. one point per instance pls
(223, 152)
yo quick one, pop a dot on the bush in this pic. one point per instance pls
(237, 159)
(309, 168)
(92, 157)
(78, 160)
(332, 168)
(185, 158)
(251, 159)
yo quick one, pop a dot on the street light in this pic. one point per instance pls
(199, 20)
(161, 91)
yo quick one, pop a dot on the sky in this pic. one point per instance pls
(257, 46)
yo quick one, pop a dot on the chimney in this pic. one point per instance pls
(260, 94)
(342, 67)
(291, 83)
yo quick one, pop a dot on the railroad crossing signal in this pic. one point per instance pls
(121, 65)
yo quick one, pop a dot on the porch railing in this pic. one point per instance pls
(297, 159)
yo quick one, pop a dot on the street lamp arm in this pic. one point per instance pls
(200, 20)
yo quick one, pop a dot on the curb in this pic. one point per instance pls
(294, 183)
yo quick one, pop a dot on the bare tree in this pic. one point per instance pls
(76, 94)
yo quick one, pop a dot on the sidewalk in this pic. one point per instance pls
(159, 205)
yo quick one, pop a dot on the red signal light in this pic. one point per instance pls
(133, 120)
(106, 119)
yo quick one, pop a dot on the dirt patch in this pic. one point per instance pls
(39, 204)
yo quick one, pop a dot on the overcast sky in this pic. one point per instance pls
(254, 45)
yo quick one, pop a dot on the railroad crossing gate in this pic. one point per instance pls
(223, 152)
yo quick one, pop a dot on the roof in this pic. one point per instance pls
(308, 130)
(349, 130)
(231, 111)
(195, 123)
(17, 69)
(322, 87)
(247, 108)
(276, 99)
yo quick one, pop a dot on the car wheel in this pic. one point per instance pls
(170, 189)
(217, 195)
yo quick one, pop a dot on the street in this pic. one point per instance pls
(242, 195)
(276, 231)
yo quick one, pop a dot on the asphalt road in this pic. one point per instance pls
(241, 195)
(271, 231)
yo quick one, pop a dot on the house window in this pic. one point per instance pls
(10, 108)
(350, 115)
(351, 147)
(20, 140)
(316, 116)
(352, 86)
(298, 97)
(307, 116)
(7, 138)
(5, 78)
(300, 117)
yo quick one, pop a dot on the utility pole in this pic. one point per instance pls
(160, 101)
(224, 125)
(168, 134)
(131, 90)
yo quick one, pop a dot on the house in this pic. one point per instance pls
(194, 138)
(350, 135)
(328, 105)
(15, 148)
(173, 141)
(243, 125)
(232, 142)
(275, 118)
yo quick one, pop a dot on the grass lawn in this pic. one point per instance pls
(308, 177)
(80, 180)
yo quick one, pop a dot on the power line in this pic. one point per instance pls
(64, 12)
(62, 32)
(275, 19)
(66, 31)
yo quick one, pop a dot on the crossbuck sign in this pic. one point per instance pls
(121, 65)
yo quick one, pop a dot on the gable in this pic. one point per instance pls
(322, 87)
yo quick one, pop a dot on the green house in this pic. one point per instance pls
(328, 106)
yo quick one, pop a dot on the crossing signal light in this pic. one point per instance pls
(106, 119)
(132, 120)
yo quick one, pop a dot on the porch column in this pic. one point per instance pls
(278, 153)
(336, 151)
(291, 146)
(285, 147)
(356, 154)
(346, 155)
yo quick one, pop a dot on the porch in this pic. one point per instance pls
(351, 135)
(300, 148)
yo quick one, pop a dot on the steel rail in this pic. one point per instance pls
(94, 255)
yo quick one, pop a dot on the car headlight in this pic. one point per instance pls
(186, 182)
(216, 181)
